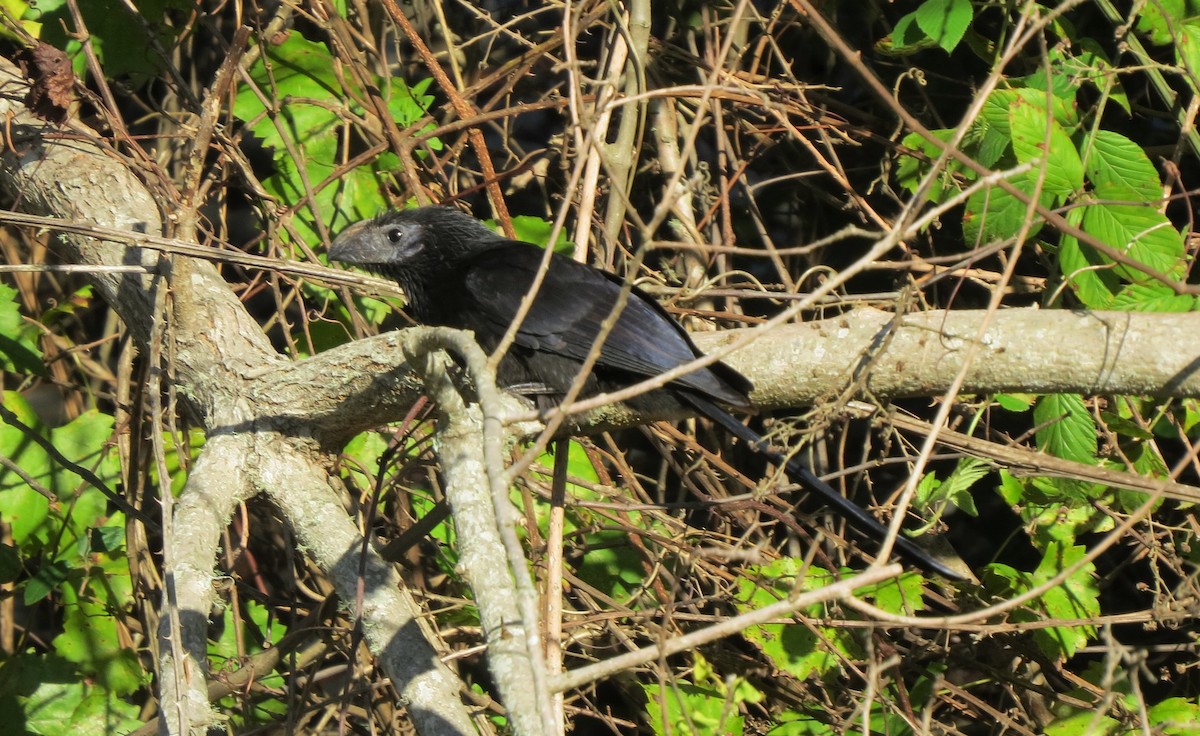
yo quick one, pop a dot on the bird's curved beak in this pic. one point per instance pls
(350, 246)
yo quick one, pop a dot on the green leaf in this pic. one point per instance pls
(1157, 19)
(1153, 297)
(364, 453)
(259, 629)
(1085, 270)
(1187, 47)
(793, 648)
(107, 539)
(46, 580)
(1119, 169)
(536, 230)
(84, 441)
(906, 37)
(1037, 138)
(121, 41)
(19, 351)
(178, 458)
(790, 723)
(957, 486)
(1015, 402)
(302, 121)
(1143, 233)
(912, 168)
(945, 21)
(1066, 428)
(74, 708)
(91, 639)
(21, 506)
(1055, 510)
(612, 565)
(1175, 717)
(902, 595)
(47, 695)
(1084, 723)
(684, 708)
(1093, 66)
(994, 113)
(1077, 598)
(993, 215)
(996, 124)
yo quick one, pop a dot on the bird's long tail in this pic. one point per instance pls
(857, 516)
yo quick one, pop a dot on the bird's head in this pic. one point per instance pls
(422, 238)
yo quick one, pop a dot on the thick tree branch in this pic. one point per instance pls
(863, 353)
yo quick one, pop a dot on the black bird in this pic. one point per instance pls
(455, 272)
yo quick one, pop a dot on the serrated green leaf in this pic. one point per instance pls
(945, 21)
(958, 486)
(1011, 488)
(1090, 275)
(1093, 66)
(1076, 598)
(1039, 139)
(1058, 510)
(1153, 297)
(990, 145)
(995, 111)
(1119, 169)
(993, 215)
(1066, 429)
(1144, 234)
(1064, 73)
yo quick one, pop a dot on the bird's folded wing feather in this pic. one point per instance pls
(572, 303)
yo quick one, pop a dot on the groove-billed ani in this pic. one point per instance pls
(457, 273)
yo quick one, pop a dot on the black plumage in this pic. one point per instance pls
(457, 273)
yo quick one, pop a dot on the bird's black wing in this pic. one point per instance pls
(572, 303)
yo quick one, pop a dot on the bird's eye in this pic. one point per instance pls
(394, 235)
